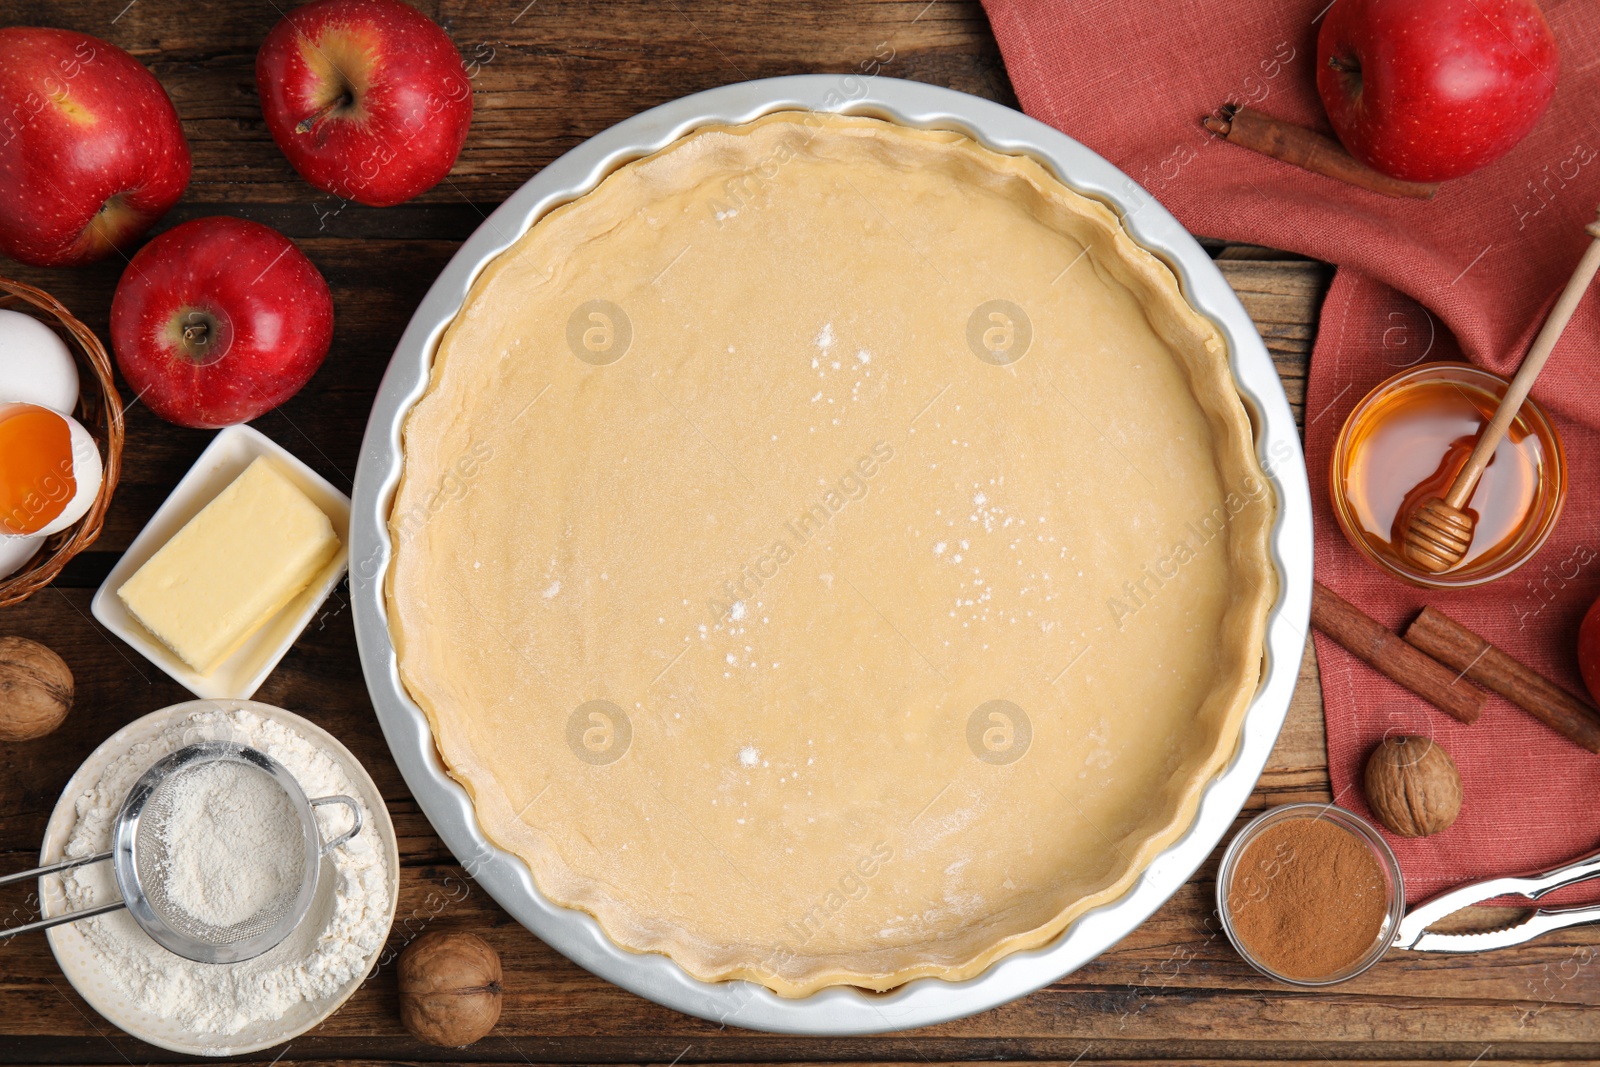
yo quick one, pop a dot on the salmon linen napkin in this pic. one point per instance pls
(1471, 273)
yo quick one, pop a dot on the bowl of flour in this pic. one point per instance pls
(223, 1009)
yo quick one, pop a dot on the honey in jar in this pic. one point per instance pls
(1407, 441)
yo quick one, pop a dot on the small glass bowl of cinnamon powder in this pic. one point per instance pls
(1310, 894)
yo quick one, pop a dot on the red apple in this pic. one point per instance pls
(1589, 650)
(369, 99)
(1427, 90)
(219, 320)
(91, 153)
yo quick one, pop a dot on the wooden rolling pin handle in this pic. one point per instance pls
(1453, 644)
(1387, 652)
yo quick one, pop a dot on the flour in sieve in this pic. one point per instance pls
(233, 842)
(347, 924)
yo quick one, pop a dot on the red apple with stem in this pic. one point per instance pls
(219, 320)
(368, 99)
(1589, 650)
(91, 152)
(1428, 90)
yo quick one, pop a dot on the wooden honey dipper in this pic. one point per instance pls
(1439, 531)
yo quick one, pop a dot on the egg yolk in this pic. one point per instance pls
(36, 482)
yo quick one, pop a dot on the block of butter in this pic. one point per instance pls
(232, 567)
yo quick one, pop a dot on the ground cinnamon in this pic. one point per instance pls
(1307, 898)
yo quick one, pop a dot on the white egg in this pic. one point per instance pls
(87, 472)
(36, 366)
(15, 551)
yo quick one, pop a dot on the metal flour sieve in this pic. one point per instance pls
(139, 858)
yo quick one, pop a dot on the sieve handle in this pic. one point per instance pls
(57, 920)
(355, 821)
(64, 865)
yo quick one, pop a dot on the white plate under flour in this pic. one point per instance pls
(76, 957)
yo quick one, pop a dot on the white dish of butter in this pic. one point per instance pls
(231, 568)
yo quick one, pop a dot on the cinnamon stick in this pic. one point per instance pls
(1448, 641)
(1386, 652)
(1307, 149)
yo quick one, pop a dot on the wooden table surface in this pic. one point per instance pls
(549, 73)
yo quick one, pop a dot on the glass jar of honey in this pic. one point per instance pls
(1407, 440)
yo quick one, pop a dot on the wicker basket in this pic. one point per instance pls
(100, 412)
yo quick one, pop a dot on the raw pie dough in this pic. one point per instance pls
(817, 639)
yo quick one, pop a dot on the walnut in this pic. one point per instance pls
(35, 689)
(1413, 786)
(449, 988)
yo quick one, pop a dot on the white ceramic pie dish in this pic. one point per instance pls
(839, 1010)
